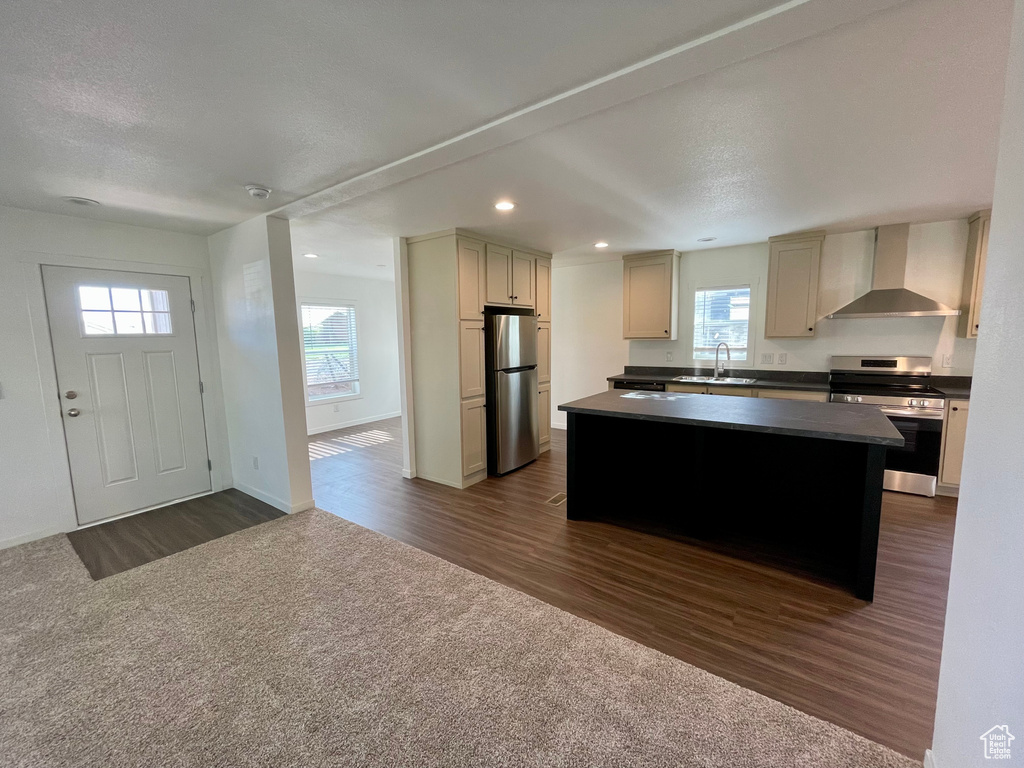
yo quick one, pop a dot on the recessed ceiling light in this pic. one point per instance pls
(257, 191)
(311, 255)
(382, 265)
(706, 239)
(80, 201)
(505, 205)
(601, 244)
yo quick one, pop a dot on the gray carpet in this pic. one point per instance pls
(309, 641)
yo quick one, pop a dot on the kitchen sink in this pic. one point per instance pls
(713, 380)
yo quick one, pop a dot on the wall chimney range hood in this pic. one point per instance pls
(888, 296)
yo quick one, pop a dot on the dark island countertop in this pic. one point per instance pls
(824, 421)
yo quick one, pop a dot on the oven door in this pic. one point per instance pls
(914, 468)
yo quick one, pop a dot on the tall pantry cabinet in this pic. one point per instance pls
(452, 276)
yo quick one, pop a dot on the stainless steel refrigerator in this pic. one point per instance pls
(513, 423)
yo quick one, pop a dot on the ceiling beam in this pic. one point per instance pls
(784, 24)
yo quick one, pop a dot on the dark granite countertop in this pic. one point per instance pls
(808, 381)
(824, 421)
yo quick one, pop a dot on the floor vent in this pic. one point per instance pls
(557, 499)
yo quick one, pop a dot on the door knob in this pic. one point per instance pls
(73, 412)
(71, 394)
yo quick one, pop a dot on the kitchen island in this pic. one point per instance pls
(787, 480)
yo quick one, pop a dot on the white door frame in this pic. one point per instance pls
(209, 369)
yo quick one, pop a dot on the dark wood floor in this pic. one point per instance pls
(870, 667)
(133, 541)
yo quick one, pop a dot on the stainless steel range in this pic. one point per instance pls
(901, 387)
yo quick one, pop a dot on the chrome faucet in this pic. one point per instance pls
(719, 369)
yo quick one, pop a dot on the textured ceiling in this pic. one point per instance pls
(894, 118)
(647, 123)
(164, 110)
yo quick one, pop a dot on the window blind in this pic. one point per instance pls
(721, 314)
(330, 349)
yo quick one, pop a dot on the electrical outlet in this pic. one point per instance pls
(782, 358)
(668, 357)
(767, 358)
(335, 407)
(256, 463)
(947, 361)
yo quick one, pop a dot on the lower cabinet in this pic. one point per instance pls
(789, 394)
(954, 433)
(544, 408)
(731, 391)
(695, 389)
(474, 436)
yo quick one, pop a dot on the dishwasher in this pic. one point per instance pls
(646, 386)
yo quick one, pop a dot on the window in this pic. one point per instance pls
(721, 314)
(107, 311)
(329, 350)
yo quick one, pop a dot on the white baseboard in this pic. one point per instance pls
(947, 490)
(929, 759)
(284, 506)
(559, 425)
(353, 423)
(302, 506)
(439, 481)
(25, 538)
(407, 474)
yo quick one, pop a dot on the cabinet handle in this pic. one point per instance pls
(810, 329)
(954, 408)
(666, 331)
(514, 298)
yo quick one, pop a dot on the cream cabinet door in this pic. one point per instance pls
(789, 394)
(544, 353)
(499, 275)
(474, 436)
(471, 279)
(543, 292)
(522, 279)
(471, 358)
(954, 432)
(731, 391)
(648, 297)
(793, 266)
(693, 389)
(544, 406)
(974, 275)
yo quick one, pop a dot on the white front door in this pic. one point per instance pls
(124, 346)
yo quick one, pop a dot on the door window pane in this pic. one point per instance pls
(135, 311)
(126, 299)
(94, 296)
(97, 323)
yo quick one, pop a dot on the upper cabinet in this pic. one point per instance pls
(471, 279)
(522, 278)
(650, 295)
(974, 275)
(509, 277)
(499, 275)
(793, 264)
(543, 292)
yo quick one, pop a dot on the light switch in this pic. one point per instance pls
(668, 357)
(767, 358)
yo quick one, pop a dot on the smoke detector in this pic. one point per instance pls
(255, 190)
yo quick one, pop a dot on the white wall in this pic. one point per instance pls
(35, 485)
(586, 331)
(935, 262)
(981, 683)
(260, 355)
(377, 328)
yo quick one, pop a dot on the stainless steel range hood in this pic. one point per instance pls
(888, 296)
